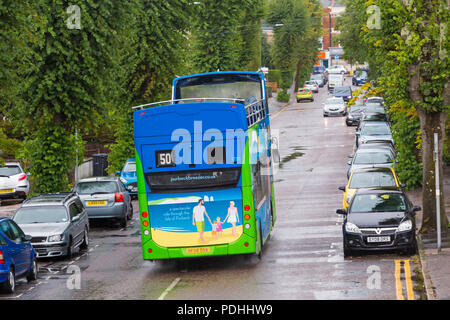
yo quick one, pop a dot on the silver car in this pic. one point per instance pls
(57, 223)
(13, 181)
(371, 158)
(105, 198)
(334, 107)
(374, 130)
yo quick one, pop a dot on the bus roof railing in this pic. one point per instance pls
(187, 99)
(255, 111)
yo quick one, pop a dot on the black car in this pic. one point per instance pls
(379, 219)
(354, 115)
(359, 78)
(344, 92)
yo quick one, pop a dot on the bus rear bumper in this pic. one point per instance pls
(244, 245)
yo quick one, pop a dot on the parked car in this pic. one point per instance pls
(344, 92)
(319, 70)
(359, 78)
(377, 100)
(334, 107)
(17, 256)
(105, 198)
(304, 94)
(369, 178)
(57, 223)
(335, 80)
(337, 69)
(319, 78)
(354, 115)
(379, 219)
(371, 158)
(128, 176)
(373, 130)
(13, 181)
(375, 144)
(312, 85)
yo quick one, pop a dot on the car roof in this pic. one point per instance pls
(371, 150)
(376, 123)
(98, 179)
(379, 190)
(49, 199)
(11, 163)
(374, 169)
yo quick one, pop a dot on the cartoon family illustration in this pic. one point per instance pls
(198, 219)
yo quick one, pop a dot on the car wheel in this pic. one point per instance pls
(413, 249)
(32, 275)
(130, 215)
(85, 243)
(347, 252)
(70, 249)
(9, 286)
(123, 221)
(348, 124)
(298, 101)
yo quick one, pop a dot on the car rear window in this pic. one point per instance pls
(97, 186)
(373, 157)
(9, 170)
(130, 167)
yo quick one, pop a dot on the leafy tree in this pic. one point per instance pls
(66, 88)
(155, 51)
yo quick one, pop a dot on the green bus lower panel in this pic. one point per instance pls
(244, 245)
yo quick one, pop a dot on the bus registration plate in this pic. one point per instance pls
(198, 250)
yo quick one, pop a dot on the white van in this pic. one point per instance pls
(335, 80)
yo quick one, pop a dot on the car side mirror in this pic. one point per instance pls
(342, 188)
(349, 163)
(76, 218)
(350, 156)
(27, 237)
(341, 211)
(357, 133)
(28, 174)
(118, 172)
(416, 208)
(402, 185)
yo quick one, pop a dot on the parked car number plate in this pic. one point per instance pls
(379, 239)
(97, 203)
(6, 190)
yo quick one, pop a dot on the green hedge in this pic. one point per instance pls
(274, 76)
(283, 96)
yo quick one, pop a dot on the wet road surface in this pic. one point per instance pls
(302, 260)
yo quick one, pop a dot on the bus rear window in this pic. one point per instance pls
(176, 181)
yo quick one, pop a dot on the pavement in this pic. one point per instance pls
(435, 265)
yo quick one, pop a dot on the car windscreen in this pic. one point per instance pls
(316, 77)
(334, 101)
(377, 130)
(9, 171)
(361, 74)
(355, 109)
(372, 179)
(246, 87)
(96, 187)
(342, 90)
(373, 157)
(386, 202)
(129, 167)
(44, 214)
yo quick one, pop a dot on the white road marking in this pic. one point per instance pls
(169, 288)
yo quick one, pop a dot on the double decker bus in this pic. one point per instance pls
(204, 170)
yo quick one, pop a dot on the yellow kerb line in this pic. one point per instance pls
(398, 281)
(409, 286)
(279, 112)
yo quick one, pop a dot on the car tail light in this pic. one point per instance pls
(118, 197)
(2, 259)
(23, 176)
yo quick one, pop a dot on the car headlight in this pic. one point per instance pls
(405, 226)
(350, 117)
(55, 238)
(350, 227)
(123, 180)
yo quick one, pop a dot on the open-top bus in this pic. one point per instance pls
(204, 171)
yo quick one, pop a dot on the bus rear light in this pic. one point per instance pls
(144, 214)
(145, 223)
(247, 226)
(2, 259)
(118, 197)
(246, 207)
(146, 232)
(246, 244)
(150, 250)
(247, 217)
